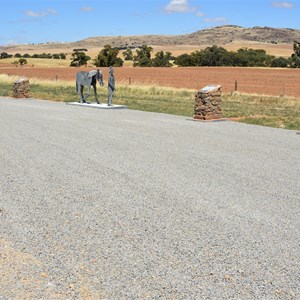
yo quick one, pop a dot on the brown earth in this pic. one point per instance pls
(249, 80)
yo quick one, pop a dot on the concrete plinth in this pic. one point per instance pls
(101, 105)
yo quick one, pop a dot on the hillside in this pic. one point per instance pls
(217, 35)
(233, 34)
(230, 37)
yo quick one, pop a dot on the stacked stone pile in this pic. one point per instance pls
(21, 88)
(208, 103)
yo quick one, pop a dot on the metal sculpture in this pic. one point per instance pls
(111, 86)
(88, 79)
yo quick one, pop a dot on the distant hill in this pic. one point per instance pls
(221, 35)
(218, 35)
(228, 34)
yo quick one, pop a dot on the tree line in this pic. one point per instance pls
(218, 56)
(109, 56)
(42, 55)
(211, 56)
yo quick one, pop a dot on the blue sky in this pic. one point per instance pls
(41, 21)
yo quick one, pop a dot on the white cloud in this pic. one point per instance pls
(87, 9)
(49, 11)
(200, 14)
(179, 6)
(283, 4)
(31, 13)
(215, 20)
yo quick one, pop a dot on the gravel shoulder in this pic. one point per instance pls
(124, 204)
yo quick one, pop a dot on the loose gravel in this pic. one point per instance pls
(124, 204)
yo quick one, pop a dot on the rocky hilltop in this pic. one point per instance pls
(217, 35)
(221, 35)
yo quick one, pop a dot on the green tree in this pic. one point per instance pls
(184, 60)
(79, 59)
(4, 55)
(196, 58)
(43, 55)
(107, 57)
(62, 56)
(211, 56)
(144, 51)
(55, 56)
(216, 56)
(17, 55)
(296, 47)
(143, 57)
(279, 62)
(143, 62)
(128, 55)
(22, 61)
(295, 58)
(162, 59)
(253, 58)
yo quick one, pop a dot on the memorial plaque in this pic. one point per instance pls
(208, 103)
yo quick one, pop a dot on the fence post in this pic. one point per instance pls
(129, 80)
(235, 86)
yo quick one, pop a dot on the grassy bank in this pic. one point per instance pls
(281, 112)
(39, 62)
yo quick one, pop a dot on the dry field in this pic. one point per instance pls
(273, 49)
(249, 80)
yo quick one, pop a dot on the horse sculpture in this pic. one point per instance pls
(88, 79)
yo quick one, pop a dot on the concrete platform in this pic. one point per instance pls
(101, 105)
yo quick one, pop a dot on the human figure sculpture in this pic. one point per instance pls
(88, 79)
(110, 85)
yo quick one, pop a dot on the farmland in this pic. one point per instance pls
(249, 80)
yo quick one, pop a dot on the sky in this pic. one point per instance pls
(41, 21)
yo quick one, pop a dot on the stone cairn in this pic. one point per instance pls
(21, 88)
(208, 103)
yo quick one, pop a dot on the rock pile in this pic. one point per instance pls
(21, 88)
(208, 103)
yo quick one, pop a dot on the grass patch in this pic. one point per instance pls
(156, 99)
(280, 112)
(39, 62)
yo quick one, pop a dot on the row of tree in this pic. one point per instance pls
(211, 56)
(108, 56)
(42, 55)
(218, 56)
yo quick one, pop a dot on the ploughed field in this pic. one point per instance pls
(267, 81)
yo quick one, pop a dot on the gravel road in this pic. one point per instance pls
(123, 204)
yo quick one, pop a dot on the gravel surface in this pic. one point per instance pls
(124, 204)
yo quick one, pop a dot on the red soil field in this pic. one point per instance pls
(249, 80)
